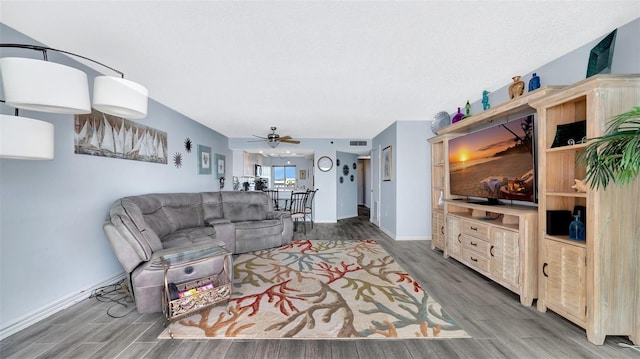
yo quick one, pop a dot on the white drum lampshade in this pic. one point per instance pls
(44, 86)
(120, 97)
(25, 138)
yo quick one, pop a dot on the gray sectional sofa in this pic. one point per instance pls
(143, 228)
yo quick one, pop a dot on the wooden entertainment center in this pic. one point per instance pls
(593, 283)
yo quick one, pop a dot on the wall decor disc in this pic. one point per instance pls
(354, 166)
(188, 144)
(337, 162)
(351, 178)
(341, 179)
(177, 159)
(345, 170)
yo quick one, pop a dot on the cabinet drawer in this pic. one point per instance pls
(476, 261)
(479, 230)
(476, 245)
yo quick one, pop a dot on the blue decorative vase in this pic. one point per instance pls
(534, 83)
(576, 229)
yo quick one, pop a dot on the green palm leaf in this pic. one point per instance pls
(615, 156)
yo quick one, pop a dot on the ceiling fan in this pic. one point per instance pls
(273, 139)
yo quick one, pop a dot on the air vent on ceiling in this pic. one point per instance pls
(357, 143)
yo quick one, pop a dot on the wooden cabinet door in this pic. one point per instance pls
(437, 230)
(564, 280)
(505, 257)
(454, 232)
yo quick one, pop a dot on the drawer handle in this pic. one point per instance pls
(474, 228)
(491, 251)
(544, 267)
(442, 229)
(473, 259)
(459, 235)
(473, 244)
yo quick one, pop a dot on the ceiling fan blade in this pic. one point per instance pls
(258, 140)
(286, 137)
(296, 142)
(264, 138)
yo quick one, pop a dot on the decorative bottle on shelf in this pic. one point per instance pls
(517, 87)
(576, 229)
(441, 200)
(467, 111)
(534, 83)
(457, 117)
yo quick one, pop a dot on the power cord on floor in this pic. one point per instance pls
(118, 293)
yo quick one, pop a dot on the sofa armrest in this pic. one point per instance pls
(278, 215)
(287, 224)
(125, 249)
(226, 232)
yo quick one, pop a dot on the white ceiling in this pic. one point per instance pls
(317, 69)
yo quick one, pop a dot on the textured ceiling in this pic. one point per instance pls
(317, 69)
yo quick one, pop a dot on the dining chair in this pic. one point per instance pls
(297, 208)
(308, 207)
(273, 195)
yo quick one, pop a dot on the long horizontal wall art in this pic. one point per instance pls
(99, 134)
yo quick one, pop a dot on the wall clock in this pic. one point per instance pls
(325, 164)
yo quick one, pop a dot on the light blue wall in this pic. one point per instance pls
(413, 213)
(404, 201)
(388, 189)
(347, 191)
(52, 246)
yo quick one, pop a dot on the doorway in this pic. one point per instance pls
(375, 186)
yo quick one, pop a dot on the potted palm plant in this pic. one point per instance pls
(615, 156)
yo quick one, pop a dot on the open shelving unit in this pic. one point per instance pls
(593, 283)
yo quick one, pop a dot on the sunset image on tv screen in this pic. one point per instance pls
(496, 162)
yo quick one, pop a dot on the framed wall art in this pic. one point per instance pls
(204, 160)
(387, 164)
(220, 163)
(302, 174)
(99, 134)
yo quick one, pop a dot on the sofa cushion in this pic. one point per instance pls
(257, 229)
(211, 206)
(147, 212)
(189, 236)
(183, 210)
(245, 206)
(131, 217)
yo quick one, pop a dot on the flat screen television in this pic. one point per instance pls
(496, 163)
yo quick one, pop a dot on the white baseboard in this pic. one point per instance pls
(413, 238)
(48, 310)
(385, 231)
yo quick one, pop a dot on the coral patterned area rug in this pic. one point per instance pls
(321, 289)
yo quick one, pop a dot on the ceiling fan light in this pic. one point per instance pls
(120, 97)
(273, 144)
(25, 138)
(44, 86)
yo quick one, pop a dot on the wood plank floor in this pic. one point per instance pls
(500, 327)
